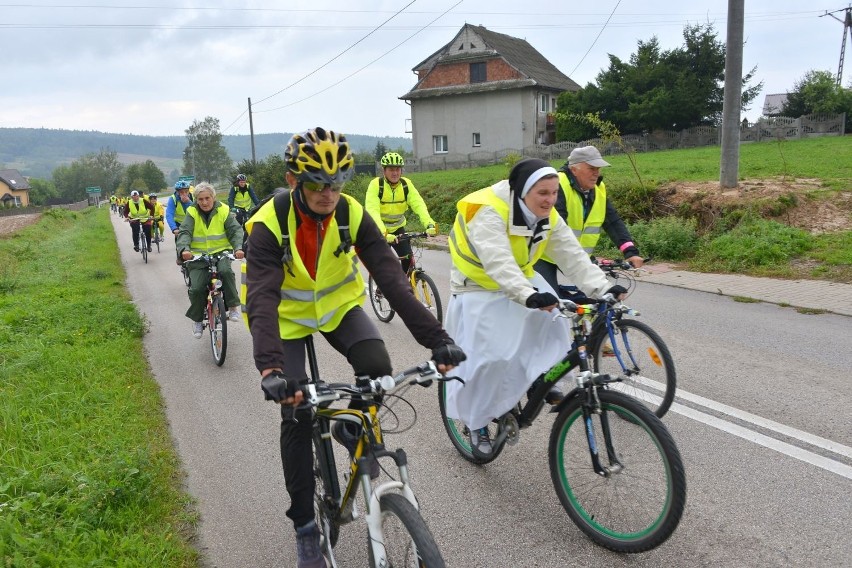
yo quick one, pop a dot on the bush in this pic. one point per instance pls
(669, 238)
(754, 243)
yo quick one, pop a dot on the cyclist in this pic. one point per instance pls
(176, 207)
(135, 211)
(310, 282)
(113, 201)
(159, 213)
(242, 198)
(209, 227)
(388, 198)
(499, 234)
(582, 203)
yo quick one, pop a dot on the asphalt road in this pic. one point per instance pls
(761, 420)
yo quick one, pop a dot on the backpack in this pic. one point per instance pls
(281, 197)
(382, 188)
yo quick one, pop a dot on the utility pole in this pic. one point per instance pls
(732, 104)
(847, 30)
(251, 130)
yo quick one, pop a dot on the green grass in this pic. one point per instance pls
(88, 473)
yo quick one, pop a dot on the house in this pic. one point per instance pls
(14, 189)
(484, 92)
(773, 104)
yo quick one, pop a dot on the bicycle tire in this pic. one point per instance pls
(651, 486)
(380, 304)
(324, 511)
(142, 248)
(459, 433)
(646, 368)
(157, 240)
(427, 294)
(407, 539)
(217, 318)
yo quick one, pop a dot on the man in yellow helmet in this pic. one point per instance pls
(302, 276)
(388, 197)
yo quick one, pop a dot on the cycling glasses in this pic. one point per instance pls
(317, 186)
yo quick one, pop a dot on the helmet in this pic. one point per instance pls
(152, 196)
(392, 159)
(181, 184)
(134, 193)
(242, 177)
(320, 155)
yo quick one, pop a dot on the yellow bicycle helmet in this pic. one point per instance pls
(392, 159)
(321, 156)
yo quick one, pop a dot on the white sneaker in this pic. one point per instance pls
(197, 329)
(234, 314)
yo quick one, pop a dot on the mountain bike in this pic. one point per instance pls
(613, 463)
(217, 313)
(627, 348)
(422, 285)
(156, 237)
(140, 237)
(397, 535)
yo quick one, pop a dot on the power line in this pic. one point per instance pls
(617, 4)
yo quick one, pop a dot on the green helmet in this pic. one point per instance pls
(392, 159)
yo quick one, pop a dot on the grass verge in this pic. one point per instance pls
(88, 473)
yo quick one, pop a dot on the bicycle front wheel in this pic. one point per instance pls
(427, 294)
(460, 435)
(640, 357)
(380, 304)
(142, 246)
(637, 503)
(217, 319)
(157, 240)
(406, 539)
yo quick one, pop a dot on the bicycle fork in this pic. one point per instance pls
(592, 407)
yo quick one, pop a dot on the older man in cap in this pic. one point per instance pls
(583, 204)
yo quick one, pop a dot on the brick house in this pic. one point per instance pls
(14, 189)
(483, 92)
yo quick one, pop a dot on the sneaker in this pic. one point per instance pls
(149, 249)
(480, 442)
(135, 249)
(349, 441)
(234, 314)
(197, 329)
(308, 547)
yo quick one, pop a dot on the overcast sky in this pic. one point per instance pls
(153, 66)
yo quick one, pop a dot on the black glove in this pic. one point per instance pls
(448, 354)
(277, 386)
(542, 300)
(617, 291)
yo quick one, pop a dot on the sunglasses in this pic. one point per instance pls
(317, 186)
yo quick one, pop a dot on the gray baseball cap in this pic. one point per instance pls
(587, 154)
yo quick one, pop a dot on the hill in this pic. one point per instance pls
(37, 152)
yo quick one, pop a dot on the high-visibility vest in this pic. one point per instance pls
(463, 252)
(587, 230)
(242, 199)
(138, 209)
(180, 212)
(393, 204)
(210, 238)
(309, 305)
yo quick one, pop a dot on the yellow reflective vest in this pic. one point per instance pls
(309, 305)
(587, 230)
(138, 210)
(387, 204)
(210, 238)
(463, 251)
(180, 212)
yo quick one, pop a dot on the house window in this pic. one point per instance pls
(545, 103)
(439, 143)
(477, 139)
(477, 72)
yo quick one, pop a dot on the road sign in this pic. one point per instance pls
(190, 179)
(93, 190)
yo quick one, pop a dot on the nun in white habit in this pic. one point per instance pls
(499, 309)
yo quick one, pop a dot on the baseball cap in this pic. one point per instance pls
(133, 193)
(587, 154)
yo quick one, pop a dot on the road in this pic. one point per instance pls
(761, 419)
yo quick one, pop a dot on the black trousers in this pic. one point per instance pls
(403, 250)
(134, 228)
(358, 339)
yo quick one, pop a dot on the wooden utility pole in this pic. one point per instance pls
(251, 130)
(732, 104)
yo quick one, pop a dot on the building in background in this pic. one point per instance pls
(14, 189)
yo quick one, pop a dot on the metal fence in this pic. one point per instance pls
(770, 128)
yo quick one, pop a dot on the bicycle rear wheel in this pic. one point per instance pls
(217, 318)
(640, 357)
(405, 535)
(637, 505)
(427, 294)
(157, 239)
(460, 435)
(380, 304)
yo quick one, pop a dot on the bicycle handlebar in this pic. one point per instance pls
(422, 374)
(409, 236)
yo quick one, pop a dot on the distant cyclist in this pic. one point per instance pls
(242, 198)
(138, 212)
(159, 213)
(388, 198)
(176, 208)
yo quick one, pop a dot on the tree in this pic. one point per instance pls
(151, 176)
(818, 92)
(41, 190)
(102, 170)
(655, 89)
(380, 150)
(268, 175)
(204, 156)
